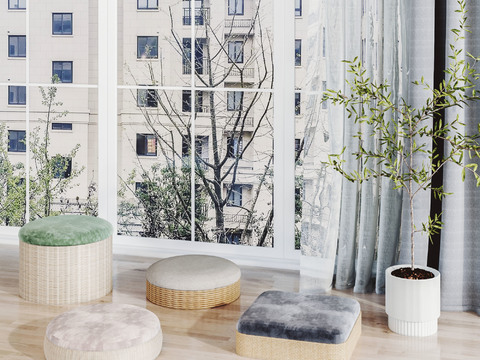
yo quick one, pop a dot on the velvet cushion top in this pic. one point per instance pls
(65, 230)
(303, 317)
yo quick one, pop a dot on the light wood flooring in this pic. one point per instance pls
(210, 334)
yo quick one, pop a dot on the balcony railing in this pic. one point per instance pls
(202, 16)
(246, 72)
(236, 25)
(235, 218)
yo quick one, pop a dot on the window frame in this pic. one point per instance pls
(18, 3)
(17, 88)
(146, 138)
(235, 100)
(63, 71)
(235, 196)
(232, 6)
(141, 54)
(62, 32)
(234, 146)
(298, 8)
(17, 47)
(149, 99)
(19, 146)
(298, 52)
(147, 7)
(235, 46)
(62, 126)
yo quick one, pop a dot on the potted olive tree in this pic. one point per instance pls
(412, 292)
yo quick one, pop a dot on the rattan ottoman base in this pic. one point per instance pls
(261, 347)
(193, 299)
(59, 275)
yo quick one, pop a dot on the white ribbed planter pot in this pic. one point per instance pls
(412, 306)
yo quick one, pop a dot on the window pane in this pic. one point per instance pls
(62, 24)
(63, 71)
(147, 47)
(17, 95)
(17, 46)
(17, 4)
(298, 52)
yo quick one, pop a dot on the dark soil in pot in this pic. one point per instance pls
(415, 274)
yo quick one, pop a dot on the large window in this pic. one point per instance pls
(62, 24)
(234, 146)
(146, 145)
(235, 195)
(16, 141)
(187, 101)
(147, 98)
(147, 47)
(235, 51)
(147, 4)
(235, 7)
(63, 70)
(201, 13)
(17, 45)
(200, 43)
(17, 95)
(17, 4)
(234, 100)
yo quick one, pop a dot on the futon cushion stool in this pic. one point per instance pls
(104, 332)
(193, 282)
(65, 259)
(285, 325)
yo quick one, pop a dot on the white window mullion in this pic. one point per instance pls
(27, 112)
(193, 106)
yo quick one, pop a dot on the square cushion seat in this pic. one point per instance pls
(286, 325)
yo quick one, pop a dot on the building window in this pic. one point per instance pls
(324, 42)
(297, 104)
(234, 237)
(17, 95)
(234, 100)
(62, 126)
(235, 195)
(147, 47)
(147, 4)
(141, 188)
(298, 147)
(234, 146)
(324, 89)
(64, 70)
(17, 46)
(17, 4)
(147, 98)
(62, 167)
(62, 24)
(298, 52)
(187, 51)
(235, 51)
(235, 7)
(16, 141)
(200, 12)
(187, 101)
(146, 145)
(298, 7)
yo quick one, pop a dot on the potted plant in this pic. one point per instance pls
(412, 293)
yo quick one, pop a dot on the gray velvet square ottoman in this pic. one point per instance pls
(285, 325)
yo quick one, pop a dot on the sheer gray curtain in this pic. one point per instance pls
(353, 232)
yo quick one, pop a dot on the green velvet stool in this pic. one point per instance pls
(65, 259)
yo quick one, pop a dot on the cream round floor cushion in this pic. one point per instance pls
(193, 282)
(104, 331)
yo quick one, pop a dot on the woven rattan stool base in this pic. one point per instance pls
(193, 299)
(59, 275)
(260, 347)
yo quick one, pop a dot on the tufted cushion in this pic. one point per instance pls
(65, 230)
(193, 272)
(103, 327)
(302, 317)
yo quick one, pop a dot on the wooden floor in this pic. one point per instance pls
(210, 334)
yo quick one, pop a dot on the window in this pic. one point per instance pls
(235, 51)
(147, 98)
(297, 104)
(146, 145)
(235, 7)
(235, 195)
(147, 4)
(62, 167)
(298, 7)
(16, 141)
(234, 146)
(187, 101)
(64, 70)
(187, 51)
(62, 126)
(298, 52)
(17, 45)
(200, 12)
(234, 100)
(201, 147)
(17, 95)
(298, 146)
(17, 4)
(324, 88)
(62, 24)
(324, 42)
(147, 47)
(234, 237)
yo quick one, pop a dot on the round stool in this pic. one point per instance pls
(104, 331)
(193, 282)
(65, 259)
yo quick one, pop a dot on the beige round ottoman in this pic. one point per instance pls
(104, 331)
(193, 282)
